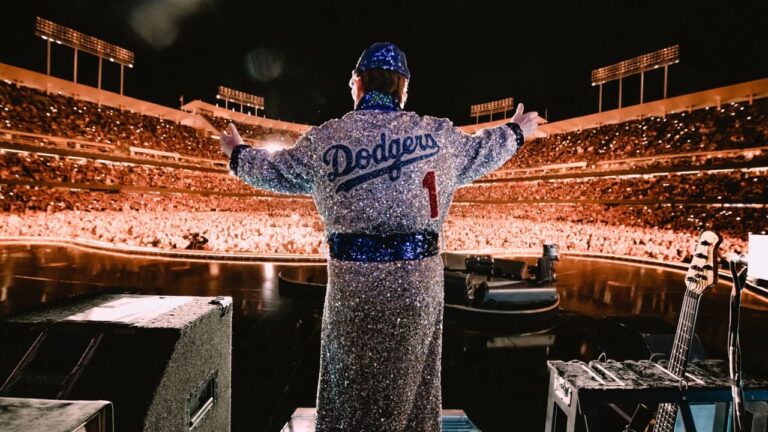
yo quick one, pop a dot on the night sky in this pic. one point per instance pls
(299, 54)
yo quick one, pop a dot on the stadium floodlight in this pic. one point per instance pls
(637, 65)
(662, 57)
(490, 108)
(239, 97)
(52, 32)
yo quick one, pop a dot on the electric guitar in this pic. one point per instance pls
(701, 275)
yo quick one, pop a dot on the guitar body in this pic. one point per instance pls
(702, 274)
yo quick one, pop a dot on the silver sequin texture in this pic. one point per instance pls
(381, 346)
(382, 322)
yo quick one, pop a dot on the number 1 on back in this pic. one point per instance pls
(430, 184)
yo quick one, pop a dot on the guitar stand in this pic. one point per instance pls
(643, 416)
(640, 419)
(740, 417)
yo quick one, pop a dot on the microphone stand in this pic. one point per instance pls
(734, 350)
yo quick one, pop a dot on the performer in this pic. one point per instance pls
(382, 179)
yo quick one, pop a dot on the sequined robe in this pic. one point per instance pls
(373, 171)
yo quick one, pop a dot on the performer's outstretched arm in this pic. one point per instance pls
(283, 171)
(487, 149)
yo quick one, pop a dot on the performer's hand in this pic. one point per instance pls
(528, 122)
(230, 139)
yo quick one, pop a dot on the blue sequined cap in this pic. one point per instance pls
(383, 55)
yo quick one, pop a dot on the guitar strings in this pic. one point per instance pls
(668, 411)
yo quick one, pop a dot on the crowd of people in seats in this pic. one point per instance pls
(30, 110)
(292, 225)
(256, 132)
(736, 186)
(43, 195)
(670, 163)
(54, 169)
(25, 109)
(727, 187)
(666, 233)
(505, 233)
(732, 126)
(32, 198)
(167, 221)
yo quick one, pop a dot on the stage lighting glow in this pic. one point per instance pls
(272, 147)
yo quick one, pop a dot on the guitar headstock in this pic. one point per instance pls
(702, 272)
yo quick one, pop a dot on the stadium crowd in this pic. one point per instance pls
(30, 110)
(733, 186)
(50, 168)
(59, 195)
(255, 132)
(732, 126)
(728, 187)
(292, 225)
(614, 222)
(163, 220)
(671, 163)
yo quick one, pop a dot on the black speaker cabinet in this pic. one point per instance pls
(20, 415)
(163, 361)
(510, 269)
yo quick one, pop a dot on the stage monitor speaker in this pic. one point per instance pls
(514, 295)
(163, 361)
(510, 269)
(20, 415)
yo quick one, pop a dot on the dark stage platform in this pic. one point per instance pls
(606, 306)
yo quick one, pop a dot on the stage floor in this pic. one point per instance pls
(499, 380)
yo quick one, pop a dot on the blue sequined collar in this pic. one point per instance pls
(379, 101)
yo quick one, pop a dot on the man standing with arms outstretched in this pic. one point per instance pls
(383, 180)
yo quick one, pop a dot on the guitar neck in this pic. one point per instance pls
(678, 359)
(702, 274)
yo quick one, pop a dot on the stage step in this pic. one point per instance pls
(454, 420)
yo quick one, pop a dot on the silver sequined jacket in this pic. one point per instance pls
(379, 172)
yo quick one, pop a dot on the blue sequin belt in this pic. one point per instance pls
(383, 248)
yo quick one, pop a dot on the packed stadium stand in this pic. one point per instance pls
(732, 126)
(721, 186)
(255, 132)
(31, 110)
(640, 186)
